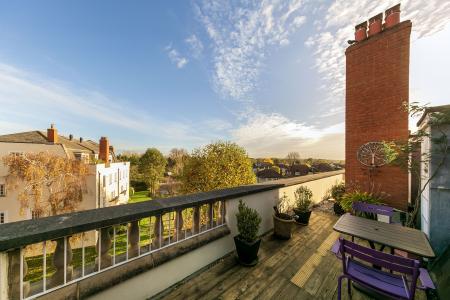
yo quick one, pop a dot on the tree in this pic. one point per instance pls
(407, 154)
(151, 166)
(268, 160)
(51, 184)
(177, 159)
(292, 158)
(217, 165)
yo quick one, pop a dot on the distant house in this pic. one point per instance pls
(284, 169)
(107, 184)
(322, 167)
(268, 175)
(299, 170)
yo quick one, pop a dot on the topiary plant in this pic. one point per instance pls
(303, 199)
(357, 196)
(248, 222)
(338, 191)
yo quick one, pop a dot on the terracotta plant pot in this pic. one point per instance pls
(282, 227)
(302, 216)
(247, 252)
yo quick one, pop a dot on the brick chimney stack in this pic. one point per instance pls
(377, 84)
(104, 149)
(52, 134)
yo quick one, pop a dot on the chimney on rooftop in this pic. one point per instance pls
(392, 16)
(52, 134)
(81, 139)
(377, 86)
(104, 149)
(70, 136)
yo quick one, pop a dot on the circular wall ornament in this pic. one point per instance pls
(372, 154)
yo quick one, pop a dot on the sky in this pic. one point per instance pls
(268, 75)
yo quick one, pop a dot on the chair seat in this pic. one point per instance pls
(387, 282)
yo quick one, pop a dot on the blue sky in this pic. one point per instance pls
(268, 75)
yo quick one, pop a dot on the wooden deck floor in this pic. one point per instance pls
(305, 257)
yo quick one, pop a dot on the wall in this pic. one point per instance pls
(158, 279)
(435, 204)
(377, 84)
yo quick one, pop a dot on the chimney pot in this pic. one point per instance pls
(361, 31)
(392, 16)
(81, 139)
(375, 24)
(70, 136)
(52, 134)
(104, 149)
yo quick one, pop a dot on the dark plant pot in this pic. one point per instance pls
(338, 210)
(302, 216)
(282, 227)
(247, 252)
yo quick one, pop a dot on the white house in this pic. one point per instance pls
(107, 184)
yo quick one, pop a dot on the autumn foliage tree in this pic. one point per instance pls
(215, 166)
(49, 184)
(151, 166)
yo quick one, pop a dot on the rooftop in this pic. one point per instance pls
(300, 268)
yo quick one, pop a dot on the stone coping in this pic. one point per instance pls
(17, 234)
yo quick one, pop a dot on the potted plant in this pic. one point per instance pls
(357, 196)
(247, 242)
(337, 192)
(282, 221)
(303, 202)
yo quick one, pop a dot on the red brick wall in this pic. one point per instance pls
(377, 72)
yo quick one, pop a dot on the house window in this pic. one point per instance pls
(2, 190)
(115, 177)
(2, 217)
(16, 154)
(110, 178)
(35, 214)
(104, 180)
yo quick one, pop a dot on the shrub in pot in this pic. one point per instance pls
(357, 196)
(337, 192)
(247, 242)
(282, 221)
(303, 202)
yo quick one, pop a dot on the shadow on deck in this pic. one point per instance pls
(304, 259)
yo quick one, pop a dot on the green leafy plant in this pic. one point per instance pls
(338, 191)
(282, 207)
(248, 222)
(303, 198)
(348, 199)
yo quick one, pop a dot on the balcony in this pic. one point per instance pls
(180, 247)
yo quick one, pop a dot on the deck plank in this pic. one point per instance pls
(271, 278)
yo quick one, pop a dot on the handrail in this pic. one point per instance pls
(22, 233)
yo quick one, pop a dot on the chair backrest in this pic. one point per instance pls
(404, 266)
(373, 209)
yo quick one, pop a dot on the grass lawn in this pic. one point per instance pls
(139, 197)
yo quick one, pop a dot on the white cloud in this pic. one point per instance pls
(275, 135)
(195, 45)
(176, 58)
(329, 45)
(28, 98)
(242, 35)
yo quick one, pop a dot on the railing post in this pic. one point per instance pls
(104, 243)
(158, 230)
(210, 215)
(179, 224)
(196, 224)
(61, 262)
(133, 239)
(4, 279)
(14, 274)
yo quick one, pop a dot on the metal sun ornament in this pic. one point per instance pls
(372, 155)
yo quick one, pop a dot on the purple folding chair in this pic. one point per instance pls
(373, 209)
(356, 264)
